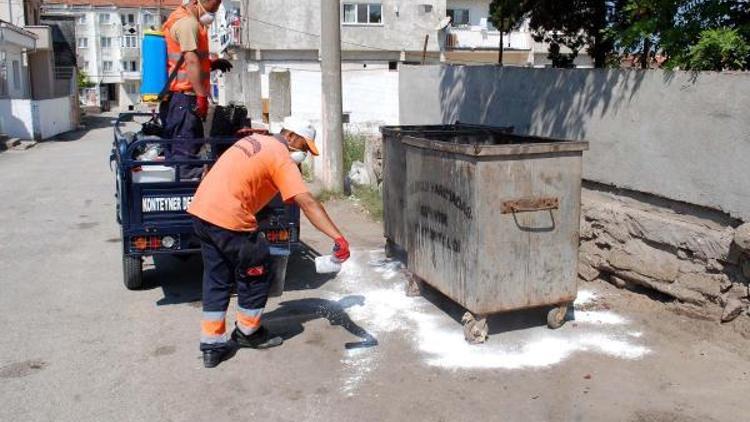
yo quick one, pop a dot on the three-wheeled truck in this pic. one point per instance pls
(152, 198)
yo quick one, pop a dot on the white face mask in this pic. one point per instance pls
(298, 156)
(207, 18)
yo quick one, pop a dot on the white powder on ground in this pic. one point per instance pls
(440, 338)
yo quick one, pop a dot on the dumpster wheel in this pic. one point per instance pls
(413, 284)
(556, 316)
(475, 328)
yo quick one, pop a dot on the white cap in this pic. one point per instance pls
(301, 127)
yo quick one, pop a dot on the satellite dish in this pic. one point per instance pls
(443, 23)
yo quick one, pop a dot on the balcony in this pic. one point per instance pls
(128, 75)
(43, 36)
(483, 38)
(130, 52)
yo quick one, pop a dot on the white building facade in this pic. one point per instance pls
(108, 41)
(276, 45)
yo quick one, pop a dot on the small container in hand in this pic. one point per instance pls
(327, 264)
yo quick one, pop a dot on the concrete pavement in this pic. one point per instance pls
(77, 345)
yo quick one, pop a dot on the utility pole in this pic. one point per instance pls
(332, 109)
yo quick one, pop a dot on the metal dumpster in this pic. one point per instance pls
(493, 223)
(394, 169)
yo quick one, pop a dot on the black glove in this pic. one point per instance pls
(221, 64)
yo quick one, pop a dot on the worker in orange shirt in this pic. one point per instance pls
(186, 106)
(241, 182)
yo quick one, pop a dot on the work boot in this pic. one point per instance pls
(213, 357)
(261, 339)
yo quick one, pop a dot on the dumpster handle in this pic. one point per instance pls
(530, 204)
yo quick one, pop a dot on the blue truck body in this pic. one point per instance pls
(152, 213)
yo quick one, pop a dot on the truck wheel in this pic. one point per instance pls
(132, 271)
(278, 271)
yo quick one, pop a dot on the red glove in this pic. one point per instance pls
(201, 106)
(341, 249)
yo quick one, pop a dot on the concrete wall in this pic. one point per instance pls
(30, 119)
(678, 135)
(402, 31)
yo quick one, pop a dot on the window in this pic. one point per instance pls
(363, 13)
(392, 65)
(81, 19)
(129, 41)
(86, 65)
(128, 19)
(131, 89)
(459, 16)
(83, 42)
(16, 75)
(148, 19)
(104, 18)
(107, 66)
(130, 65)
(106, 42)
(3, 74)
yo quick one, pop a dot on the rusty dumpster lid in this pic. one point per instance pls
(506, 144)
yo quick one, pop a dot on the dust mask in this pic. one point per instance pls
(298, 156)
(207, 18)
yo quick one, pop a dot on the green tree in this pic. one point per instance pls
(506, 15)
(573, 24)
(718, 49)
(83, 80)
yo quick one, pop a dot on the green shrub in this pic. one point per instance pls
(354, 149)
(718, 49)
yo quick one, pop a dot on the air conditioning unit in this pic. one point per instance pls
(424, 8)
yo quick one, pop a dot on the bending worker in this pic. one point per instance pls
(241, 182)
(186, 106)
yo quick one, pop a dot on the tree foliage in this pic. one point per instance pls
(706, 34)
(83, 80)
(718, 49)
(506, 15)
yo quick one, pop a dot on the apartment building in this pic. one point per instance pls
(37, 94)
(276, 46)
(108, 41)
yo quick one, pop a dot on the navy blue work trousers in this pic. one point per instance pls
(230, 259)
(180, 122)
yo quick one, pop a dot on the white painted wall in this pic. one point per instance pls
(370, 94)
(477, 8)
(16, 118)
(25, 118)
(54, 116)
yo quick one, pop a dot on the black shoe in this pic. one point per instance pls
(213, 357)
(261, 339)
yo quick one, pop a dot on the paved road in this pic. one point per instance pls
(77, 346)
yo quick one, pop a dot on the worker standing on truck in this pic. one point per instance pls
(186, 106)
(241, 182)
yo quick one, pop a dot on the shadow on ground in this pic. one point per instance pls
(89, 122)
(289, 318)
(497, 323)
(180, 277)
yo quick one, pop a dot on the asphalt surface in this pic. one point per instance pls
(77, 346)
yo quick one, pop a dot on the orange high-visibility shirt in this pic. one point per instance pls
(181, 83)
(244, 180)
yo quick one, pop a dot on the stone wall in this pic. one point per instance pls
(692, 256)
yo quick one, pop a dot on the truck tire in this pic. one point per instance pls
(132, 271)
(278, 271)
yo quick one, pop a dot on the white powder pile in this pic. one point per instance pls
(440, 339)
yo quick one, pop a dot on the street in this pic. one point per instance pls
(78, 346)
